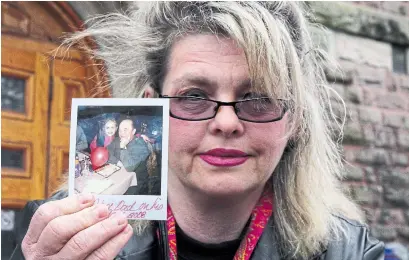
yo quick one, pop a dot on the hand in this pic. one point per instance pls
(72, 228)
(120, 164)
(124, 142)
(146, 139)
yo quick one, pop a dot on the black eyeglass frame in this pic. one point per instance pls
(233, 104)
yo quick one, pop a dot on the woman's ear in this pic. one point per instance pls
(149, 92)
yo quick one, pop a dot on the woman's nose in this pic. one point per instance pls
(226, 122)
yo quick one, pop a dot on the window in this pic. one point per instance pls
(13, 94)
(399, 59)
(13, 158)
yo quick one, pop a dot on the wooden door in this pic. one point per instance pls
(24, 85)
(68, 81)
(35, 134)
(37, 86)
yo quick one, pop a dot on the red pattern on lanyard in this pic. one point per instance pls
(171, 235)
(259, 218)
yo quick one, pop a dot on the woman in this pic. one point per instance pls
(253, 166)
(105, 135)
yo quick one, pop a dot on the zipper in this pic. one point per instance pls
(163, 240)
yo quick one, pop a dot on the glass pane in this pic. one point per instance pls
(399, 59)
(13, 94)
(12, 158)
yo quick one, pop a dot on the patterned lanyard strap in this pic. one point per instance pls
(259, 218)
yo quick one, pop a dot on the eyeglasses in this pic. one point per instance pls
(257, 110)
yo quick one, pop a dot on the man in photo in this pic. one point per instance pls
(132, 153)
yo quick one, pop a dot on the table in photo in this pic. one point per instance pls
(121, 180)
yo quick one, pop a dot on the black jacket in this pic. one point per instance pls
(356, 245)
(134, 158)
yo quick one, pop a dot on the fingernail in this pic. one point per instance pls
(128, 229)
(119, 218)
(100, 211)
(86, 198)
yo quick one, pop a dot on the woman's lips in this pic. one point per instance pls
(224, 157)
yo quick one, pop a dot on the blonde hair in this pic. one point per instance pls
(109, 119)
(307, 184)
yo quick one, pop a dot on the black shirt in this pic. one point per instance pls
(191, 249)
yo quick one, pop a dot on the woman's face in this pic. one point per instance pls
(110, 128)
(223, 155)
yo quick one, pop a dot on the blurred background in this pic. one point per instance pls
(370, 41)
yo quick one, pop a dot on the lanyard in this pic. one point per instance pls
(259, 218)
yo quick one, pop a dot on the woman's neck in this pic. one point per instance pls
(210, 219)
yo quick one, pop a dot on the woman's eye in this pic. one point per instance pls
(194, 93)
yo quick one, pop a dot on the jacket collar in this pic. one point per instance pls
(152, 244)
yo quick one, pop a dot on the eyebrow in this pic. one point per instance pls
(202, 81)
(195, 80)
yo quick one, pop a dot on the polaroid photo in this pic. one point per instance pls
(119, 153)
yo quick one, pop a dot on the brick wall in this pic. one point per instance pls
(376, 144)
(376, 141)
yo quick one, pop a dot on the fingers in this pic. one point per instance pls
(111, 248)
(60, 230)
(120, 164)
(145, 138)
(95, 237)
(53, 209)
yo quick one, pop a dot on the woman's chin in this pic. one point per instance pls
(227, 187)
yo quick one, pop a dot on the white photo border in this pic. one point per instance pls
(155, 207)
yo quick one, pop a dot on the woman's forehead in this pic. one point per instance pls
(110, 123)
(209, 61)
(205, 51)
(206, 60)
(219, 44)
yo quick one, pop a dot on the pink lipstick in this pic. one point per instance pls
(224, 157)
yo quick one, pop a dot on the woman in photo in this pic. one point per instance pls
(254, 156)
(105, 135)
